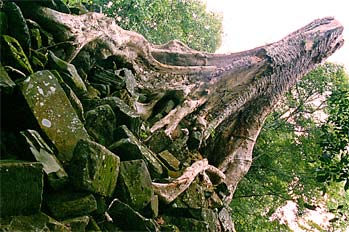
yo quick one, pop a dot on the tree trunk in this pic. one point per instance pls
(223, 98)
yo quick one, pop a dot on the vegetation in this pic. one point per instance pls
(299, 152)
(160, 21)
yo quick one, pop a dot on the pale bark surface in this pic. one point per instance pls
(224, 97)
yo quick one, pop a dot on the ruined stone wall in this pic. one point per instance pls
(75, 154)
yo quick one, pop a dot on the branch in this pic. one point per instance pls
(170, 191)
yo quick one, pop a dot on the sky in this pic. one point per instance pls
(251, 23)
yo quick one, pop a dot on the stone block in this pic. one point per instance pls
(171, 162)
(35, 222)
(54, 112)
(130, 148)
(101, 124)
(134, 184)
(21, 187)
(6, 84)
(63, 205)
(77, 224)
(57, 176)
(69, 74)
(94, 168)
(124, 114)
(128, 219)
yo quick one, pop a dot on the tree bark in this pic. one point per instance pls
(223, 97)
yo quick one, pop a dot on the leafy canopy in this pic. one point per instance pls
(301, 149)
(160, 21)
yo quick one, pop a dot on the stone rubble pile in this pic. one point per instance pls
(74, 154)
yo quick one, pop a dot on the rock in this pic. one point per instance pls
(74, 100)
(194, 197)
(107, 77)
(67, 205)
(54, 112)
(38, 60)
(101, 124)
(207, 215)
(21, 187)
(15, 56)
(94, 168)
(6, 84)
(204, 215)
(77, 224)
(134, 184)
(35, 37)
(123, 113)
(185, 224)
(128, 219)
(169, 228)
(57, 176)
(130, 148)
(18, 25)
(35, 222)
(171, 162)
(3, 23)
(179, 148)
(226, 221)
(92, 226)
(158, 141)
(154, 206)
(69, 74)
(45, 37)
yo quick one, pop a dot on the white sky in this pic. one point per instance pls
(251, 23)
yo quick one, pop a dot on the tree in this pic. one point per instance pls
(209, 105)
(160, 21)
(287, 153)
(221, 99)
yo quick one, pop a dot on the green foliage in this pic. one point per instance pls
(287, 156)
(335, 134)
(160, 21)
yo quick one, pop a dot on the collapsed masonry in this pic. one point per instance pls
(101, 130)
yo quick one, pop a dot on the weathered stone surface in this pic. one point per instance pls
(123, 113)
(154, 206)
(130, 148)
(54, 112)
(134, 184)
(74, 100)
(158, 141)
(94, 168)
(226, 221)
(68, 72)
(93, 226)
(3, 23)
(169, 160)
(57, 176)
(77, 224)
(128, 219)
(6, 84)
(45, 37)
(21, 187)
(101, 124)
(17, 24)
(35, 222)
(194, 197)
(67, 205)
(202, 214)
(107, 78)
(185, 223)
(15, 56)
